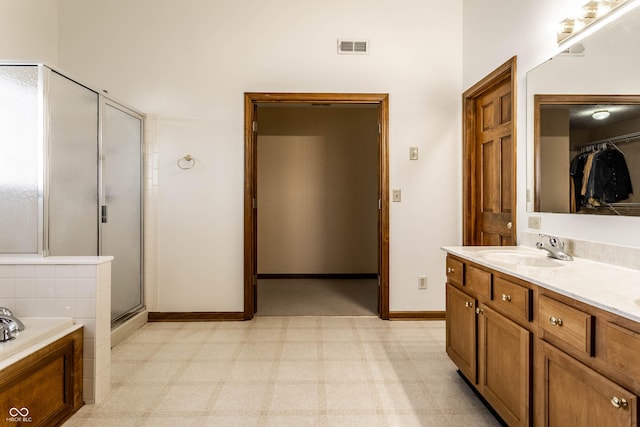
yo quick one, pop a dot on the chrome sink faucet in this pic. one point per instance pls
(10, 326)
(555, 248)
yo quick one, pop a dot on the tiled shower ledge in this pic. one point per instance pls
(54, 260)
(77, 287)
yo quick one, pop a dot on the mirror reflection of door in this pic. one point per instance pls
(569, 130)
(489, 154)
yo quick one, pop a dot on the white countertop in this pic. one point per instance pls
(608, 287)
(54, 260)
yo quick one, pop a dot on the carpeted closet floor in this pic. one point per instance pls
(317, 297)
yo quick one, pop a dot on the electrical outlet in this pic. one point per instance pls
(535, 222)
(422, 282)
(397, 195)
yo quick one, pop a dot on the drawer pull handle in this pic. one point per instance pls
(555, 321)
(619, 403)
(451, 270)
(468, 304)
(506, 297)
(479, 310)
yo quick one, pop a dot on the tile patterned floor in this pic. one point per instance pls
(286, 371)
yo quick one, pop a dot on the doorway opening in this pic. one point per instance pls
(322, 210)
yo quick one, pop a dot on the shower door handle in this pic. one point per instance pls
(103, 211)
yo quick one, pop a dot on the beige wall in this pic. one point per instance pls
(29, 30)
(188, 63)
(317, 190)
(554, 156)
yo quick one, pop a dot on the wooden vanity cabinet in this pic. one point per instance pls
(491, 349)
(455, 271)
(589, 373)
(538, 357)
(461, 331)
(504, 365)
(576, 395)
(565, 325)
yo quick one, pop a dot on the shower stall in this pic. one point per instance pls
(71, 176)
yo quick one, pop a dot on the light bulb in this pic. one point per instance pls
(601, 114)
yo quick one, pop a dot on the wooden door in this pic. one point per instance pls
(490, 160)
(461, 331)
(504, 366)
(576, 395)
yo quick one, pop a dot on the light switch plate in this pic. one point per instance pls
(413, 153)
(396, 195)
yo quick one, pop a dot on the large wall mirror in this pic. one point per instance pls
(584, 125)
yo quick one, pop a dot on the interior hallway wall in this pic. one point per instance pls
(317, 190)
(29, 30)
(189, 62)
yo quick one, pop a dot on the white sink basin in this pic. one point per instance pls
(520, 258)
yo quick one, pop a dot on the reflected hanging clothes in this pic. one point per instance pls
(577, 174)
(611, 180)
(599, 177)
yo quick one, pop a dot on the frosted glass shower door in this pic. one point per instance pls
(20, 159)
(73, 168)
(121, 229)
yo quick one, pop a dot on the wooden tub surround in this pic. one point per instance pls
(45, 387)
(540, 354)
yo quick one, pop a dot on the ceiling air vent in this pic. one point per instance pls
(353, 47)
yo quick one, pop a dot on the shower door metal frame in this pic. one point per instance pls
(44, 77)
(102, 102)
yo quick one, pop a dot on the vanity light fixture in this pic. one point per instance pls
(601, 114)
(592, 12)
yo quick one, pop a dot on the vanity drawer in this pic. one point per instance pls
(573, 327)
(622, 348)
(478, 281)
(512, 299)
(455, 271)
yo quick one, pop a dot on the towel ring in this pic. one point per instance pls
(186, 162)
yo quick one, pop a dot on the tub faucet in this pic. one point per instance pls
(10, 326)
(555, 248)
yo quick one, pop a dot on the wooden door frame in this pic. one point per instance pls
(251, 101)
(469, 173)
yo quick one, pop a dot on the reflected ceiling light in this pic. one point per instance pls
(601, 114)
(590, 13)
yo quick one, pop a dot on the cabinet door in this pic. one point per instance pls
(504, 366)
(461, 331)
(576, 395)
